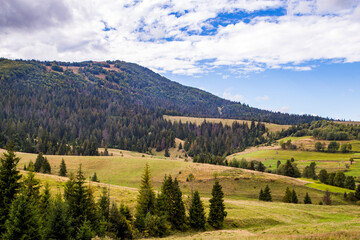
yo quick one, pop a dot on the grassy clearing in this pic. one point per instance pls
(271, 126)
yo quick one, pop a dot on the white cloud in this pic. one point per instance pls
(141, 31)
(263, 98)
(233, 97)
(284, 109)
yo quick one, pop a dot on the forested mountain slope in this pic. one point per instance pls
(60, 108)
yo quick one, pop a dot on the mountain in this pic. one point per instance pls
(48, 106)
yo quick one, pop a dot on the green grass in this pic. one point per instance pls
(294, 138)
(324, 187)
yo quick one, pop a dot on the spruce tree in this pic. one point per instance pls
(39, 162)
(23, 221)
(104, 204)
(294, 198)
(31, 186)
(125, 210)
(217, 212)
(197, 214)
(178, 219)
(261, 195)
(94, 178)
(287, 196)
(307, 199)
(145, 201)
(357, 192)
(267, 194)
(63, 170)
(167, 154)
(45, 200)
(58, 224)
(119, 226)
(9, 183)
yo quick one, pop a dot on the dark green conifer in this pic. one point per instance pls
(307, 199)
(349, 182)
(167, 154)
(287, 196)
(94, 178)
(294, 198)
(23, 221)
(357, 192)
(39, 162)
(261, 195)
(9, 183)
(217, 212)
(197, 214)
(118, 224)
(267, 194)
(104, 204)
(58, 225)
(145, 201)
(63, 170)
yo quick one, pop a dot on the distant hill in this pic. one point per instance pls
(72, 108)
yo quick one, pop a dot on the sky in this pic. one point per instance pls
(293, 56)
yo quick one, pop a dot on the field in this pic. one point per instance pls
(247, 217)
(271, 126)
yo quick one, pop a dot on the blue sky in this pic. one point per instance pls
(295, 56)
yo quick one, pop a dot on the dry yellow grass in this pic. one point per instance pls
(271, 126)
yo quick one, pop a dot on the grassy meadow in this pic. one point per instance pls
(271, 126)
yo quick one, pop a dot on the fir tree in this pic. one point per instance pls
(58, 226)
(23, 221)
(63, 170)
(104, 204)
(85, 231)
(9, 183)
(294, 198)
(167, 154)
(261, 195)
(31, 186)
(125, 210)
(307, 199)
(145, 201)
(94, 178)
(217, 212)
(197, 214)
(357, 192)
(45, 200)
(180, 146)
(178, 219)
(39, 162)
(267, 194)
(260, 167)
(287, 196)
(118, 224)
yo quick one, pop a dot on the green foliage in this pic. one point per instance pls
(319, 147)
(327, 198)
(294, 198)
(42, 164)
(307, 199)
(62, 171)
(23, 221)
(31, 186)
(145, 201)
(58, 221)
(155, 226)
(9, 183)
(94, 178)
(119, 226)
(323, 176)
(288, 196)
(288, 169)
(357, 192)
(339, 179)
(266, 194)
(197, 217)
(333, 146)
(309, 171)
(217, 212)
(104, 204)
(85, 231)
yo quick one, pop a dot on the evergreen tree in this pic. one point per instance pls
(63, 170)
(85, 231)
(339, 179)
(31, 186)
(217, 212)
(327, 198)
(45, 200)
(323, 176)
(178, 219)
(307, 199)
(287, 197)
(39, 162)
(46, 168)
(260, 167)
(104, 204)
(180, 146)
(357, 192)
(58, 226)
(294, 198)
(278, 164)
(125, 210)
(349, 182)
(267, 194)
(9, 183)
(118, 224)
(23, 221)
(145, 201)
(167, 154)
(94, 178)
(261, 195)
(197, 214)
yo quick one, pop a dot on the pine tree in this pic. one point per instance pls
(118, 224)
(63, 170)
(180, 146)
(178, 219)
(294, 198)
(267, 194)
(94, 178)
(357, 192)
(217, 212)
(125, 210)
(46, 168)
(23, 221)
(85, 231)
(31, 186)
(58, 226)
(145, 201)
(307, 199)
(287, 196)
(104, 204)
(197, 214)
(9, 183)
(167, 154)
(261, 195)
(39, 162)
(327, 198)
(45, 200)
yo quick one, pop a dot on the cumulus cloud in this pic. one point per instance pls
(179, 37)
(263, 98)
(233, 97)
